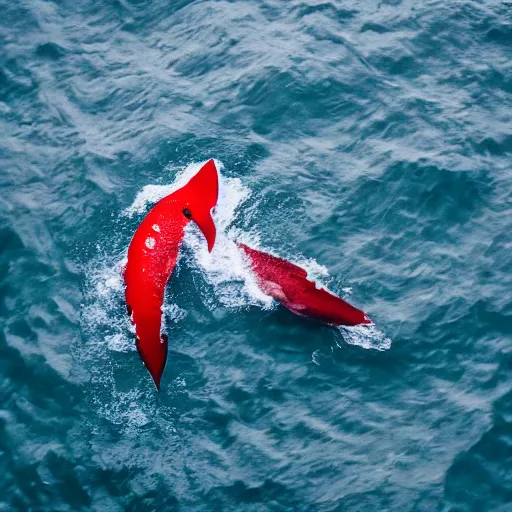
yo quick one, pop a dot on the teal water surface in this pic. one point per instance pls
(370, 142)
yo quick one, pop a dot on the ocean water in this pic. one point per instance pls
(370, 142)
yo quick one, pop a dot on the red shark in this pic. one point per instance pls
(288, 284)
(152, 257)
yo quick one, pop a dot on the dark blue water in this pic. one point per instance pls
(370, 142)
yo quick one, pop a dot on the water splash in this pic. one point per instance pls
(225, 268)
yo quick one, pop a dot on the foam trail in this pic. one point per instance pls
(109, 334)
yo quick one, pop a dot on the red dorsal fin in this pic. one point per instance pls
(199, 196)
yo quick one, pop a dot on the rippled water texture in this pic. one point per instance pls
(368, 141)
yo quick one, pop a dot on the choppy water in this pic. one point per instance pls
(370, 142)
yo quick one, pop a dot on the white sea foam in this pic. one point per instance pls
(174, 312)
(119, 342)
(366, 336)
(316, 272)
(225, 268)
(103, 298)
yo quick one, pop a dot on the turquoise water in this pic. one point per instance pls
(367, 141)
